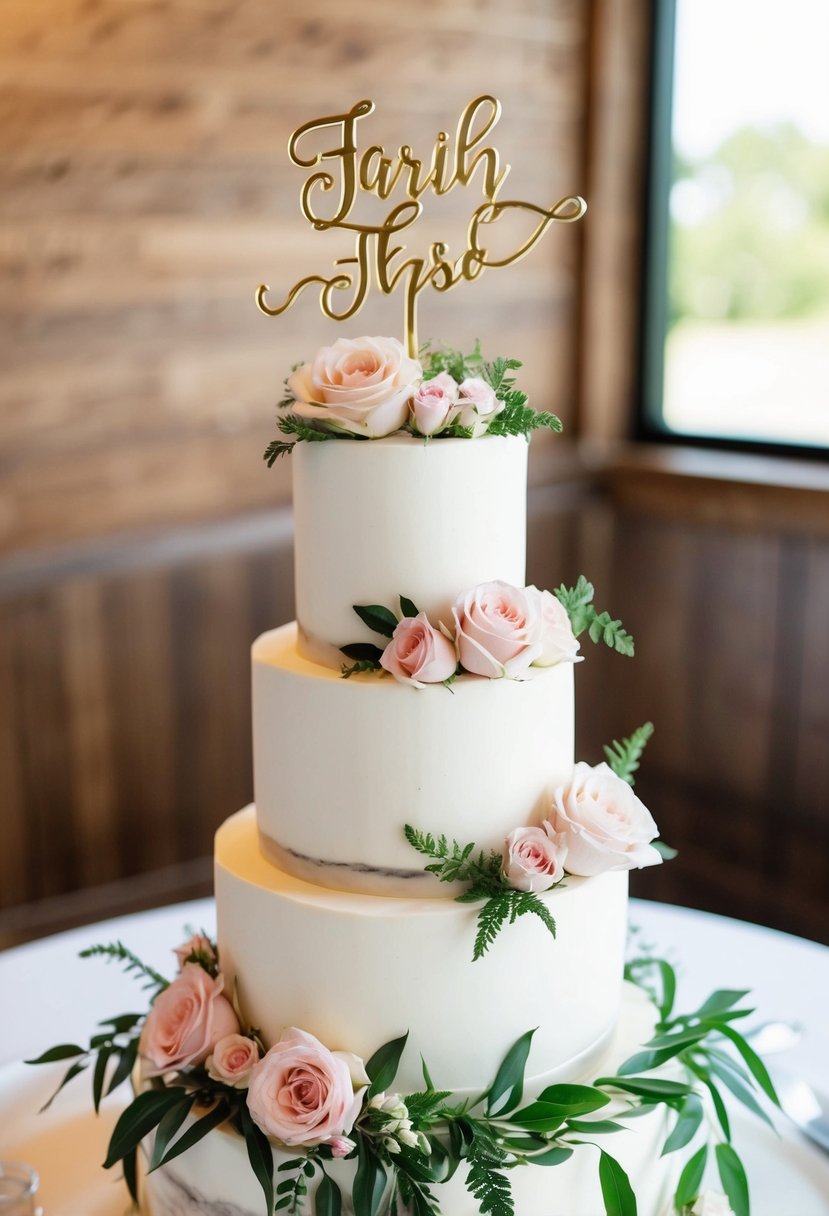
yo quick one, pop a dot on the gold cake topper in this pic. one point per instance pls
(372, 172)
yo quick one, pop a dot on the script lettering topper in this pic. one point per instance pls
(376, 249)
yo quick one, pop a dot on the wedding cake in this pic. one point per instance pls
(327, 920)
(418, 1002)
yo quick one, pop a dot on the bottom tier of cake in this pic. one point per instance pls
(214, 1177)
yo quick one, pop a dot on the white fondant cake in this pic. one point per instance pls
(332, 798)
(398, 516)
(326, 919)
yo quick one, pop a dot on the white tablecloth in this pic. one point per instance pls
(48, 996)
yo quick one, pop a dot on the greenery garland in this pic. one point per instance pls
(404, 1146)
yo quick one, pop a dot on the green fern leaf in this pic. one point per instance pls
(624, 757)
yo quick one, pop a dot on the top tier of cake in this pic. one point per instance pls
(400, 516)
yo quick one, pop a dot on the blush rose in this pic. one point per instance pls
(303, 1094)
(187, 1020)
(232, 1059)
(497, 630)
(434, 405)
(418, 653)
(198, 945)
(604, 824)
(359, 385)
(558, 642)
(478, 405)
(534, 859)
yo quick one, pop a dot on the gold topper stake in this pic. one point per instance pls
(372, 172)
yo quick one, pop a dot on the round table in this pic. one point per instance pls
(50, 996)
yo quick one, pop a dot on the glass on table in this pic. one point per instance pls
(18, 1187)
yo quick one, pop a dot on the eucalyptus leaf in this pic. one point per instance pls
(644, 1061)
(379, 619)
(595, 1127)
(733, 1179)
(362, 652)
(197, 1131)
(260, 1156)
(130, 1167)
(554, 1156)
(731, 1080)
(383, 1065)
(686, 1127)
(125, 1065)
(509, 1080)
(328, 1200)
(65, 1051)
(139, 1119)
(618, 1196)
(369, 1181)
(99, 1076)
(170, 1123)
(755, 1064)
(720, 1000)
(76, 1069)
(690, 1180)
(648, 1086)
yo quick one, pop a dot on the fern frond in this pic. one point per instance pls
(624, 757)
(118, 951)
(578, 603)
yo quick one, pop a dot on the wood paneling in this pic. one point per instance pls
(145, 191)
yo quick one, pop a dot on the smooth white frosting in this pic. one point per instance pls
(341, 765)
(359, 970)
(214, 1178)
(374, 520)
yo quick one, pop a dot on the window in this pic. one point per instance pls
(737, 311)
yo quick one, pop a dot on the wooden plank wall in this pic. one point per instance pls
(145, 191)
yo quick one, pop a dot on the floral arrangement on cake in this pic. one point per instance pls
(498, 631)
(367, 388)
(198, 1064)
(595, 824)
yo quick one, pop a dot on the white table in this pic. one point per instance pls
(48, 995)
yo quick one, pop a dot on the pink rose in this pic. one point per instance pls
(302, 1093)
(497, 630)
(419, 654)
(434, 405)
(479, 405)
(534, 859)
(604, 824)
(232, 1060)
(558, 642)
(200, 946)
(188, 1018)
(359, 385)
(341, 1146)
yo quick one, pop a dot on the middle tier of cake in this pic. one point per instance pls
(340, 766)
(360, 970)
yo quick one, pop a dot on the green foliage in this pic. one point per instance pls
(617, 1194)
(485, 1179)
(361, 665)
(506, 1091)
(504, 909)
(379, 619)
(116, 1045)
(624, 757)
(328, 1200)
(383, 1065)
(298, 430)
(119, 952)
(290, 1192)
(516, 417)
(453, 862)
(578, 603)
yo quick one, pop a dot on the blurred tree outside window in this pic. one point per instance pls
(747, 318)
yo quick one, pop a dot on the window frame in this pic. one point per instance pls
(649, 425)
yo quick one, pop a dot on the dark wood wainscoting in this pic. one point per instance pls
(125, 715)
